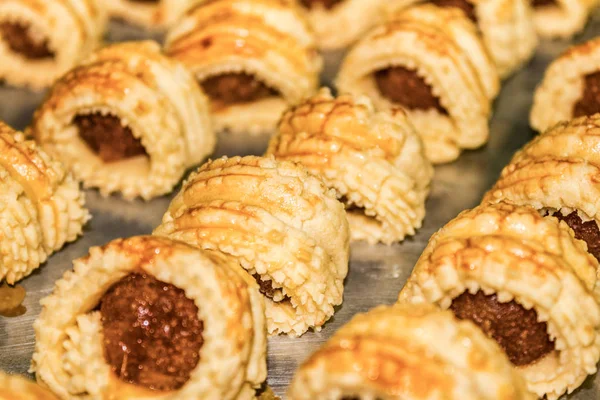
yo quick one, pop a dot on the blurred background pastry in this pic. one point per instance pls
(413, 352)
(284, 226)
(561, 18)
(14, 387)
(127, 120)
(425, 59)
(42, 39)
(41, 206)
(526, 282)
(252, 58)
(148, 317)
(375, 161)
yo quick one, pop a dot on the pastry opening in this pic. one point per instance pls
(406, 88)
(327, 4)
(544, 3)
(466, 6)
(268, 290)
(587, 231)
(236, 88)
(517, 330)
(589, 103)
(21, 39)
(107, 137)
(152, 333)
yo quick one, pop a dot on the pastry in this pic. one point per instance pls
(14, 387)
(374, 161)
(556, 174)
(506, 28)
(41, 205)
(570, 88)
(339, 23)
(127, 120)
(280, 223)
(42, 39)
(561, 18)
(526, 282)
(149, 317)
(252, 57)
(424, 59)
(152, 14)
(412, 352)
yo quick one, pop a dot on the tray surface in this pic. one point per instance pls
(377, 273)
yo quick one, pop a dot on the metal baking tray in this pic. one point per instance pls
(377, 273)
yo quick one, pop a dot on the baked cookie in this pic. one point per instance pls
(252, 57)
(561, 18)
(424, 59)
(374, 161)
(280, 223)
(148, 317)
(570, 88)
(127, 120)
(339, 23)
(506, 28)
(41, 206)
(526, 282)
(412, 352)
(556, 174)
(42, 39)
(14, 387)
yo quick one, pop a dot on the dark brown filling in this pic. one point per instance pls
(589, 103)
(152, 334)
(467, 7)
(516, 329)
(404, 87)
(543, 3)
(586, 231)
(236, 88)
(267, 289)
(21, 41)
(105, 135)
(328, 4)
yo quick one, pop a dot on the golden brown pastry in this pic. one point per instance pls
(149, 317)
(570, 88)
(556, 173)
(561, 18)
(42, 39)
(339, 23)
(374, 161)
(14, 387)
(41, 206)
(425, 59)
(252, 57)
(526, 282)
(404, 352)
(280, 223)
(151, 14)
(506, 28)
(127, 120)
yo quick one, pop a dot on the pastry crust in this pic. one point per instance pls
(442, 46)
(555, 171)
(519, 255)
(563, 85)
(14, 387)
(345, 22)
(278, 222)
(68, 355)
(153, 96)
(72, 28)
(267, 39)
(151, 15)
(408, 352)
(374, 161)
(564, 20)
(506, 27)
(42, 206)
